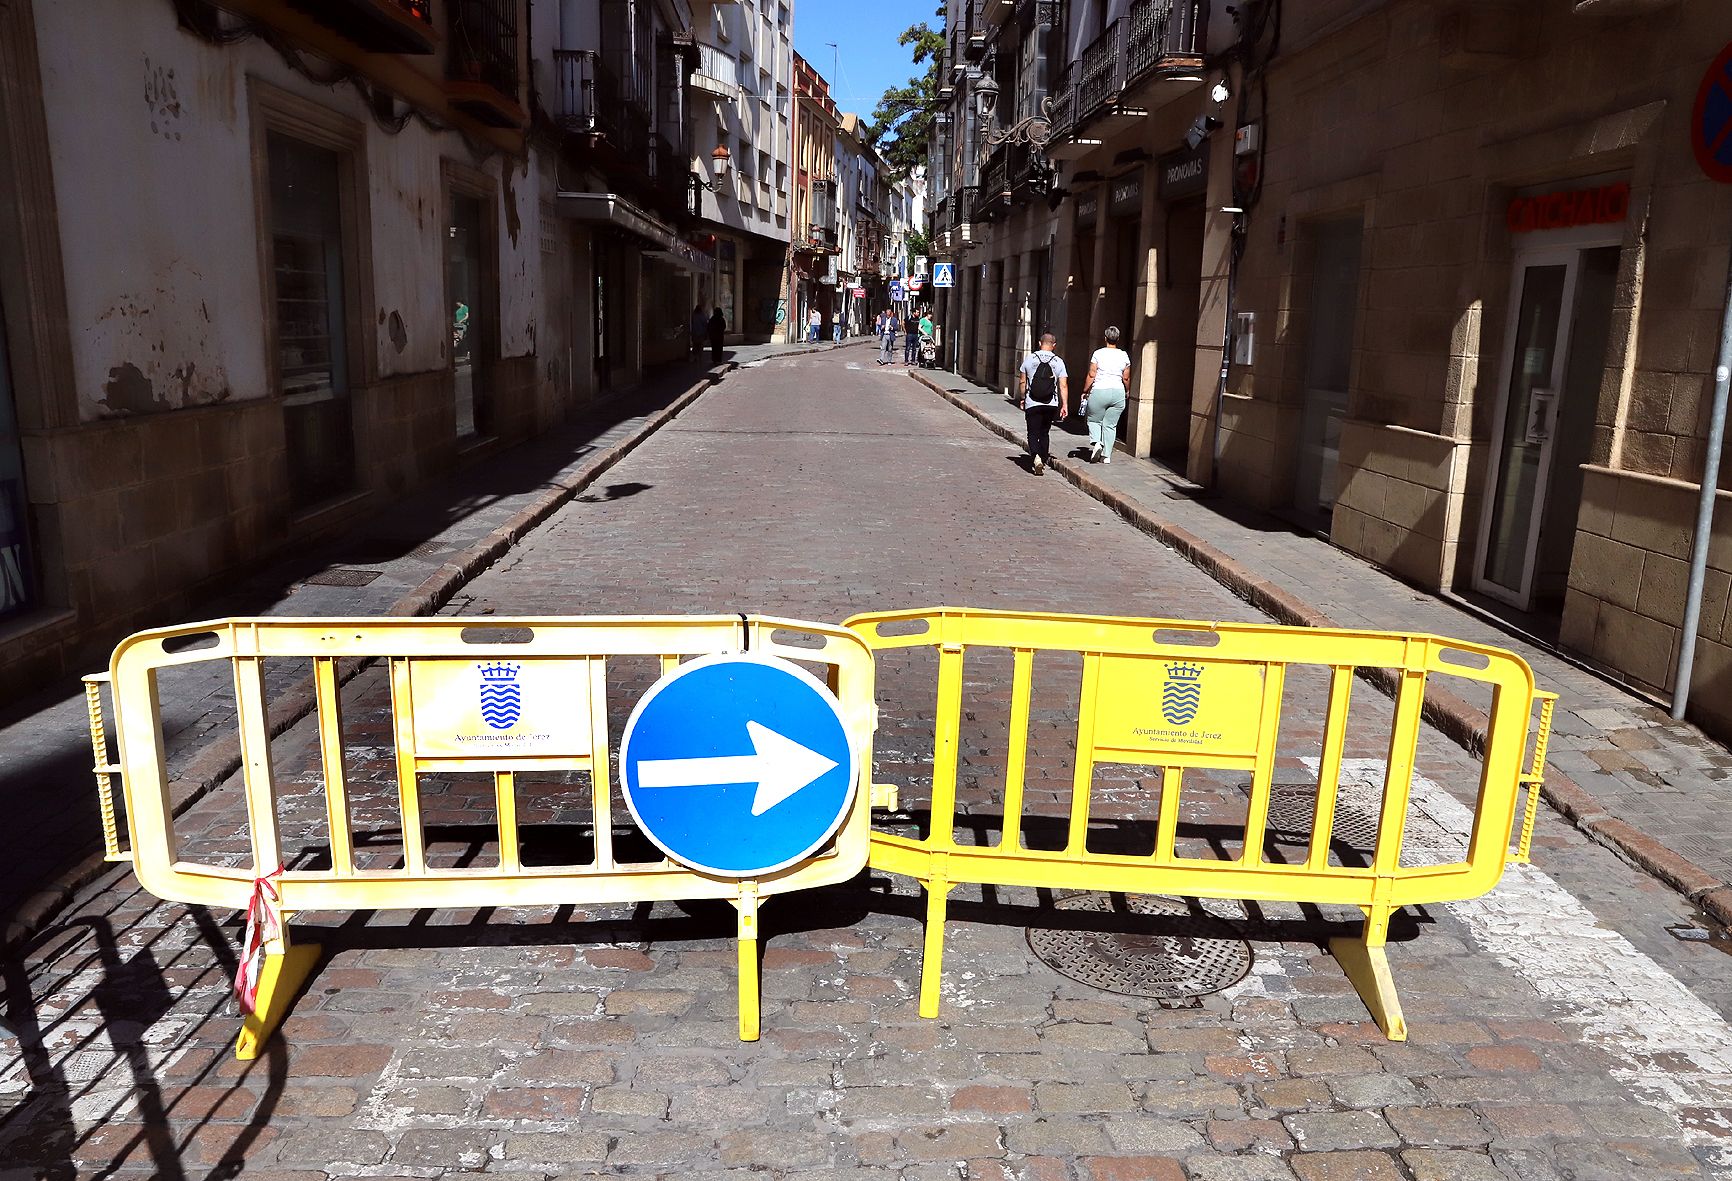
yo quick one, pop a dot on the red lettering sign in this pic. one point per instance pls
(1606, 205)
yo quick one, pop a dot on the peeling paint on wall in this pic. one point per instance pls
(128, 391)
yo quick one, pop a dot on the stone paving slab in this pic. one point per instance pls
(1657, 791)
(428, 542)
(1557, 1031)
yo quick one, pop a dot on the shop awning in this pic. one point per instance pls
(659, 239)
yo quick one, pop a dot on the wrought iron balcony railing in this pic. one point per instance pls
(1103, 70)
(1064, 103)
(1164, 35)
(484, 43)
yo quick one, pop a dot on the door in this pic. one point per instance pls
(469, 327)
(1562, 301)
(1328, 363)
(312, 349)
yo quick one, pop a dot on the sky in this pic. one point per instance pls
(867, 60)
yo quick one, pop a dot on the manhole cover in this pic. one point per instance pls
(1178, 953)
(343, 576)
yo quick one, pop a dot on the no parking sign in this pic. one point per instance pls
(1711, 120)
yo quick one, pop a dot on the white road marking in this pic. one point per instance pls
(1671, 1049)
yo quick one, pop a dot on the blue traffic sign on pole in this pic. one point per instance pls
(944, 274)
(896, 291)
(738, 765)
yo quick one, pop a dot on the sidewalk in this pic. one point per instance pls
(408, 558)
(1657, 792)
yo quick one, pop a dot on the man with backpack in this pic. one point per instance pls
(1045, 389)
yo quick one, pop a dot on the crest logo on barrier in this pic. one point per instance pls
(501, 695)
(1182, 695)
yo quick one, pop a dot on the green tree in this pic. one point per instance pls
(901, 126)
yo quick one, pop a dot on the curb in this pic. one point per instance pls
(208, 769)
(1459, 721)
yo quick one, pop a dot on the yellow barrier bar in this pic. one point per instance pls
(256, 764)
(1167, 824)
(505, 802)
(747, 905)
(1398, 773)
(1016, 765)
(1082, 777)
(1535, 776)
(1329, 766)
(101, 766)
(946, 724)
(330, 717)
(600, 787)
(932, 953)
(408, 771)
(1257, 810)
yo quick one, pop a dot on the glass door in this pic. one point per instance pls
(1533, 376)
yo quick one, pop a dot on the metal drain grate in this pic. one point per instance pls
(343, 576)
(1708, 852)
(1291, 809)
(1180, 953)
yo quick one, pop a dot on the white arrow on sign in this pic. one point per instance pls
(778, 765)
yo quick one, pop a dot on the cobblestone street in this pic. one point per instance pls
(1558, 1031)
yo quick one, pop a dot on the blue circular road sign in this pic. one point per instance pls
(738, 765)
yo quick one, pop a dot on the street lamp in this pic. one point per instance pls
(1033, 130)
(719, 165)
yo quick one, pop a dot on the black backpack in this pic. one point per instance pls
(1043, 386)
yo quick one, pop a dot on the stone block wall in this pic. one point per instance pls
(1628, 579)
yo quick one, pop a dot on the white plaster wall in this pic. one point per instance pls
(151, 145)
(519, 257)
(152, 174)
(407, 215)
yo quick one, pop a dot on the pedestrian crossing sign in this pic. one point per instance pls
(944, 274)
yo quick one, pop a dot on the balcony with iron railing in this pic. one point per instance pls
(1164, 38)
(1101, 75)
(481, 66)
(1145, 59)
(378, 26)
(611, 130)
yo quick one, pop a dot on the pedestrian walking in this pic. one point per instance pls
(700, 325)
(836, 329)
(1044, 385)
(1104, 394)
(718, 329)
(888, 328)
(910, 339)
(814, 323)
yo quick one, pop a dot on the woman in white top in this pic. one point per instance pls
(1109, 377)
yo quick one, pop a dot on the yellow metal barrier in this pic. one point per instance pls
(1183, 696)
(432, 668)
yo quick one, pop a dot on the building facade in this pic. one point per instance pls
(812, 272)
(742, 141)
(1443, 280)
(326, 253)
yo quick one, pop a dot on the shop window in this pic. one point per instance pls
(18, 592)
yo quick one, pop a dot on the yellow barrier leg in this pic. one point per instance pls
(932, 961)
(750, 991)
(1367, 966)
(285, 969)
